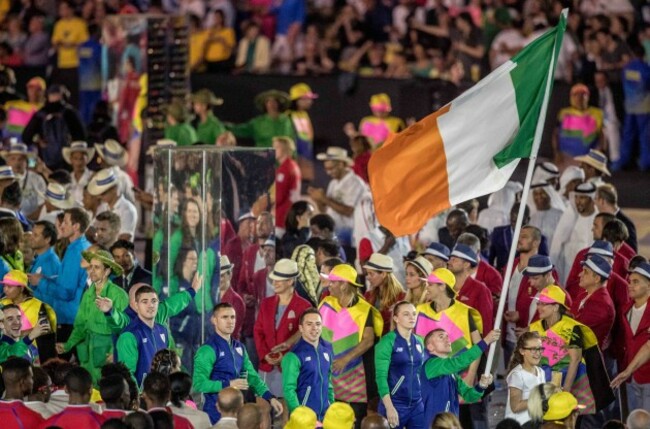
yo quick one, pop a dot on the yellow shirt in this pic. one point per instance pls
(216, 50)
(69, 31)
(197, 44)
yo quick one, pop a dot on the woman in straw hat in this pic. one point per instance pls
(78, 155)
(384, 289)
(352, 325)
(91, 333)
(277, 324)
(570, 349)
(416, 270)
(271, 123)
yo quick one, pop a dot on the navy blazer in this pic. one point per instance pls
(500, 241)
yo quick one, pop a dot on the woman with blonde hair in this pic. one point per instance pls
(446, 421)
(308, 284)
(384, 289)
(537, 403)
(416, 270)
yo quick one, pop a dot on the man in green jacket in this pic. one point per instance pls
(177, 128)
(272, 123)
(91, 334)
(208, 127)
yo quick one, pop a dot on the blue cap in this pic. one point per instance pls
(643, 269)
(537, 265)
(598, 265)
(466, 253)
(602, 248)
(438, 250)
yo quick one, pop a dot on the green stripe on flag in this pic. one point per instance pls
(529, 79)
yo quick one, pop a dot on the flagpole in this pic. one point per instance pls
(537, 138)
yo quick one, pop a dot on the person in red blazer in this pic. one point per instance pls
(276, 327)
(470, 291)
(228, 294)
(599, 247)
(253, 257)
(636, 323)
(596, 309)
(484, 272)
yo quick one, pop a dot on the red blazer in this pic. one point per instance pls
(598, 313)
(627, 251)
(489, 275)
(634, 342)
(247, 267)
(256, 288)
(475, 294)
(266, 335)
(233, 249)
(573, 281)
(387, 314)
(234, 299)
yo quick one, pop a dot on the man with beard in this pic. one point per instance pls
(573, 232)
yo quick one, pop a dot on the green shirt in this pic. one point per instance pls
(183, 134)
(263, 128)
(447, 366)
(208, 131)
(90, 320)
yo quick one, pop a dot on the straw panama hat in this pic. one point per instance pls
(102, 181)
(284, 269)
(335, 154)
(112, 152)
(78, 146)
(58, 196)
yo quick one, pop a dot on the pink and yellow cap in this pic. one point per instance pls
(552, 295)
(15, 278)
(380, 102)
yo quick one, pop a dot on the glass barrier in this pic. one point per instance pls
(201, 192)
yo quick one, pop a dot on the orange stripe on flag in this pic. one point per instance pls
(408, 176)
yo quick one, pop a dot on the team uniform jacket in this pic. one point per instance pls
(137, 345)
(15, 415)
(216, 363)
(634, 342)
(307, 376)
(476, 295)
(441, 385)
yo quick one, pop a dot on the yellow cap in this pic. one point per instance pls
(339, 416)
(381, 101)
(301, 90)
(343, 273)
(301, 418)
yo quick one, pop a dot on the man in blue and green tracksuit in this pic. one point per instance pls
(441, 384)
(143, 337)
(223, 361)
(307, 368)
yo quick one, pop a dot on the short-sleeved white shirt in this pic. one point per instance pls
(348, 191)
(524, 381)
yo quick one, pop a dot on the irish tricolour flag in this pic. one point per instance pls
(471, 146)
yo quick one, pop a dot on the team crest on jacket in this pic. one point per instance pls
(326, 356)
(239, 350)
(419, 347)
(308, 359)
(291, 315)
(399, 349)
